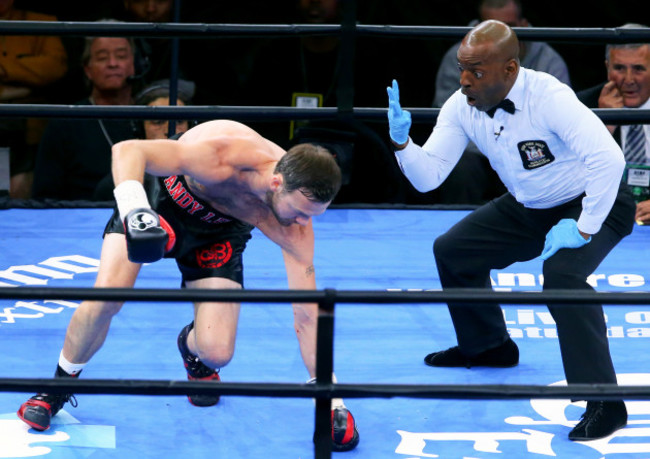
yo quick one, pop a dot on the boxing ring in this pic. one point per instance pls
(381, 311)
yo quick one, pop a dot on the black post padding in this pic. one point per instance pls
(324, 367)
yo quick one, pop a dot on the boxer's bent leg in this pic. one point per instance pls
(208, 343)
(89, 324)
(212, 339)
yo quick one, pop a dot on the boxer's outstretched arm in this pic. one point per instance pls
(297, 243)
(298, 261)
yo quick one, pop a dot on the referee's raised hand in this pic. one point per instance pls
(399, 121)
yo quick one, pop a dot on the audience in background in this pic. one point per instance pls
(233, 56)
(74, 155)
(154, 95)
(532, 55)
(258, 72)
(29, 65)
(153, 57)
(628, 86)
(149, 10)
(306, 71)
(307, 68)
(473, 181)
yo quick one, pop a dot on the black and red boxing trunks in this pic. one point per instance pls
(208, 243)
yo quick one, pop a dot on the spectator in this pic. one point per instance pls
(532, 55)
(149, 10)
(74, 155)
(473, 181)
(628, 86)
(235, 55)
(156, 94)
(307, 71)
(28, 66)
(153, 58)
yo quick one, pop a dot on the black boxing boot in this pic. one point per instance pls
(37, 412)
(196, 370)
(345, 436)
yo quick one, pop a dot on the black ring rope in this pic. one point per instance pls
(325, 391)
(573, 34)
(192, 30)
(261, 113)
(163, 30)
(465, 295)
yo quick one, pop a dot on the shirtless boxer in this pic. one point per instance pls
(202, 196)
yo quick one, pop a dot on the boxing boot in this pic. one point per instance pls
(345, 435)
(196, 370)
(38, 411)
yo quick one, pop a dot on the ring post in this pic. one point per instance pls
(324, 368)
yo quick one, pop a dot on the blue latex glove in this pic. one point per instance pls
(564, 235)
(399, 121)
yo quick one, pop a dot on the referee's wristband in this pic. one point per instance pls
(130, 195)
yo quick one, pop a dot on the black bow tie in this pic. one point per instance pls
(505, 104)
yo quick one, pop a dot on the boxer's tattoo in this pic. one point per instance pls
(309, 271)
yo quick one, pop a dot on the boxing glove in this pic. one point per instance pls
(146, 239)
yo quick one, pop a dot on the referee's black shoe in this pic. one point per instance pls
(600, 420)
(503, 356)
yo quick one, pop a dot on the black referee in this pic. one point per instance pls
(562, 169)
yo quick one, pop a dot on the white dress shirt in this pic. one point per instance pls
(551, 150)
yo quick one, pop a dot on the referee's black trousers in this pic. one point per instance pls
(503, 232)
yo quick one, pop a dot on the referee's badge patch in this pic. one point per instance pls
(534, 154)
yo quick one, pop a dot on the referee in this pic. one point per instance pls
(562, 170)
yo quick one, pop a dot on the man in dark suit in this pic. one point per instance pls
(628, 86)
